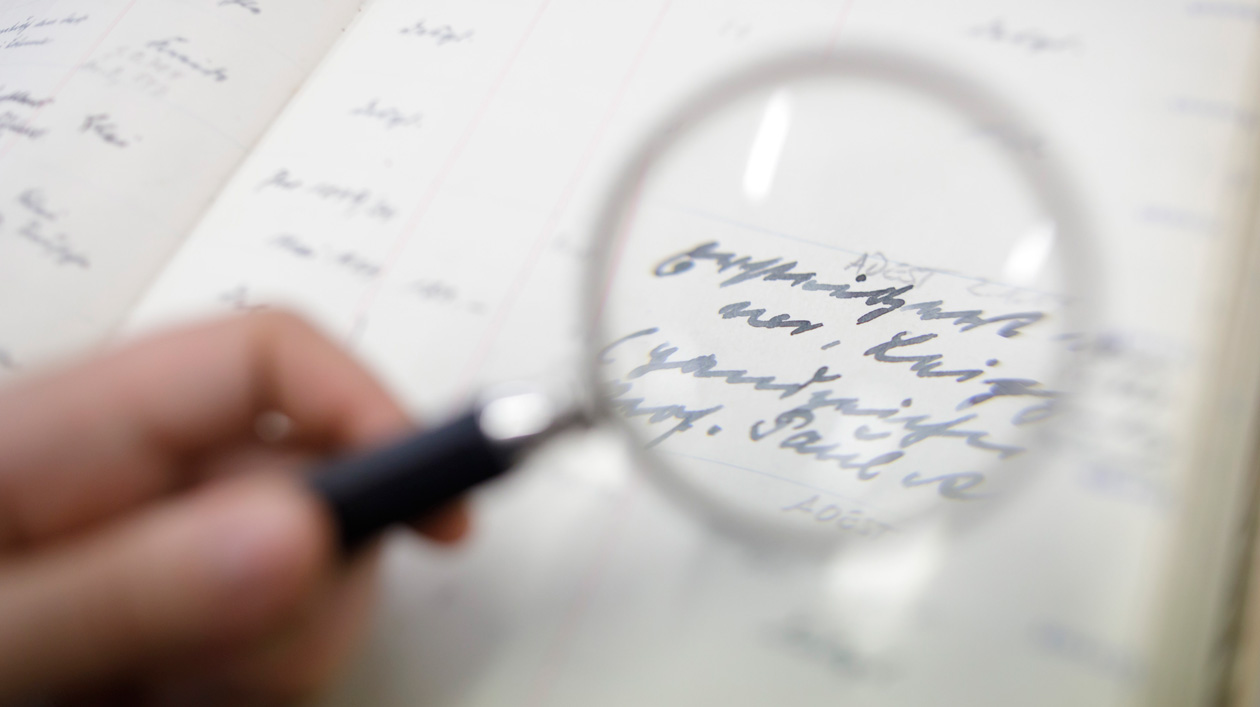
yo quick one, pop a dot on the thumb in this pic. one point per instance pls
(209, 569)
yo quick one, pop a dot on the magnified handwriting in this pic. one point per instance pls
(918, 427)
(924, 366)
(635, 407)
(879, 302)
(1008, 387)
(868, 450)
(740, 309)
(703, 367)
(845, 517)
(872, 264)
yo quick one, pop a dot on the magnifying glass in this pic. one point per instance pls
(834, 295)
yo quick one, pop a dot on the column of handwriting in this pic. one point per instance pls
(118, 123)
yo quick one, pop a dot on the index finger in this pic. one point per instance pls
(110, 433)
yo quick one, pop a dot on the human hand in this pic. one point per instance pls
(154, 549)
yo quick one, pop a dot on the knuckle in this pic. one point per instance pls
(282, 325)
(284, 320)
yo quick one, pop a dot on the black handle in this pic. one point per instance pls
(405, 480)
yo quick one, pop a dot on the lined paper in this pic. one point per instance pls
(429, 199)
(119, 120)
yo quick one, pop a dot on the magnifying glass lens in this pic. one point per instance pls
(834, 301)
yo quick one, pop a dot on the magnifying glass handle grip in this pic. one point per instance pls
(407, 479)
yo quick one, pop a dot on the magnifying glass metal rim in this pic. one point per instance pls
(949, 87)
(366, 493)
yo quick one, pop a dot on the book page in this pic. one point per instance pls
(430, 199)
(119, 120)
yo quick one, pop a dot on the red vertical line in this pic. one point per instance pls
(70, 74)
(553, 661)
(838, 26)
(418, 214)
(618, 248)
(531, 260)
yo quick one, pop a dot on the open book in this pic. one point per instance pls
(421, 177)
